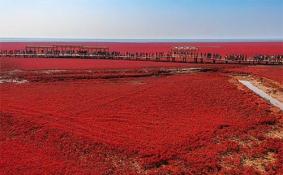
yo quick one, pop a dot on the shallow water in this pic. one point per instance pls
(12, 81)
(262, 94)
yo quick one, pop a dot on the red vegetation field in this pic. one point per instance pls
(83, 122)
(249, 48)
(271, 72)
(78, 64)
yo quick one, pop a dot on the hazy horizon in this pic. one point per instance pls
(142, 19)
(138, 40)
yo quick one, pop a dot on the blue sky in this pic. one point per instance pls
(145, 19)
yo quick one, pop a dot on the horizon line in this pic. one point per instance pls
(70, 39)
